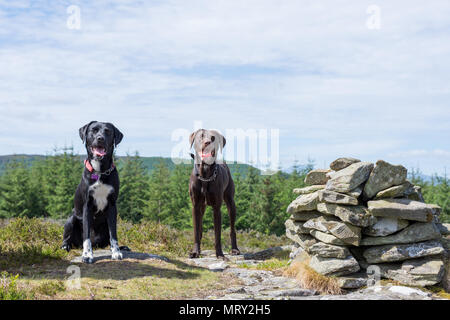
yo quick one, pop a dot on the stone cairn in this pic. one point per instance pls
(357, 218)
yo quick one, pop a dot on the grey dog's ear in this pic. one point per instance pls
(83, 131)
(221, 139)
(192, 137)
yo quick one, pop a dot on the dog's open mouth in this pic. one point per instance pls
(98, 151)
(207, 155)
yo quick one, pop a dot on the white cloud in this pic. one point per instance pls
(311, 69)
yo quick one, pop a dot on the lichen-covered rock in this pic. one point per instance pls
(385, 226)
(355, 215)
(342, 163)
(401, 209)
(328, 251)
(350, 178)
(296, 227)
(399, 252)
(304, 202)
(383, 176)
(317, 177)
(395, 191)
(415, 232)
(335, 197)
(309, 189)
(305, 215)
(423, 272)
(334, 266)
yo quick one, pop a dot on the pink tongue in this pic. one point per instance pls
(206, 155)
(99, 152)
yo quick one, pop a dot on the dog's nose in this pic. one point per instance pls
(207, 143)
(100, 138)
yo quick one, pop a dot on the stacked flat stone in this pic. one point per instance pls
(357, 215)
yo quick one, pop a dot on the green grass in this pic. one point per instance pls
(29, 250)
(9, 289)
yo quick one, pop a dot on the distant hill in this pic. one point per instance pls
(149, 162)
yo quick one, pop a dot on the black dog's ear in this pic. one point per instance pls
(192, 137)
(118, 136)
(83, 131)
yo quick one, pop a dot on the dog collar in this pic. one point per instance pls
(94, 175)
(212, 178)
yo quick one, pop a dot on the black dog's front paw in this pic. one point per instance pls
(66, 247)
(88, 260)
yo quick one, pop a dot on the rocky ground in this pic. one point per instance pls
(263, 284)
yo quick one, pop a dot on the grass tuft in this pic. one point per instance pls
(310, 279)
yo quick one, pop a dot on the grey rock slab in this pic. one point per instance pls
(334, 266)
(385, 226)
(342, 163)
(444, 228)
(323, 223)
(102, 254)
(350, 178)
(304, 202)
(355, 193)
(383, 292)
(401, 209)
(355, 215)
(317, 177)
(416, 232)
(399, 252)
(383, 176)
(327, 238)
(305, 215)
(415, 194)
(426, 271)
(395, 191)
(303, 240)
(309, 189)
(353, 281)
(336, 197)
(269, 253)
(296, 226)
(329, 251)
(329, 224)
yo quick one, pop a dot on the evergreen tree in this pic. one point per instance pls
(159, 196)
(134, 188)
(62, 176)
(16, 194)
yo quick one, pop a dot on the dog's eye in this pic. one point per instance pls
(213, 138)
(107, 131)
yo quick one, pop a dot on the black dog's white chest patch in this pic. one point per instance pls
(100, 193)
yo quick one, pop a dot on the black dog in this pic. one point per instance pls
(211, 184)
(94, 218)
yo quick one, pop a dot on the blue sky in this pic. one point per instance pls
(313, 70)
